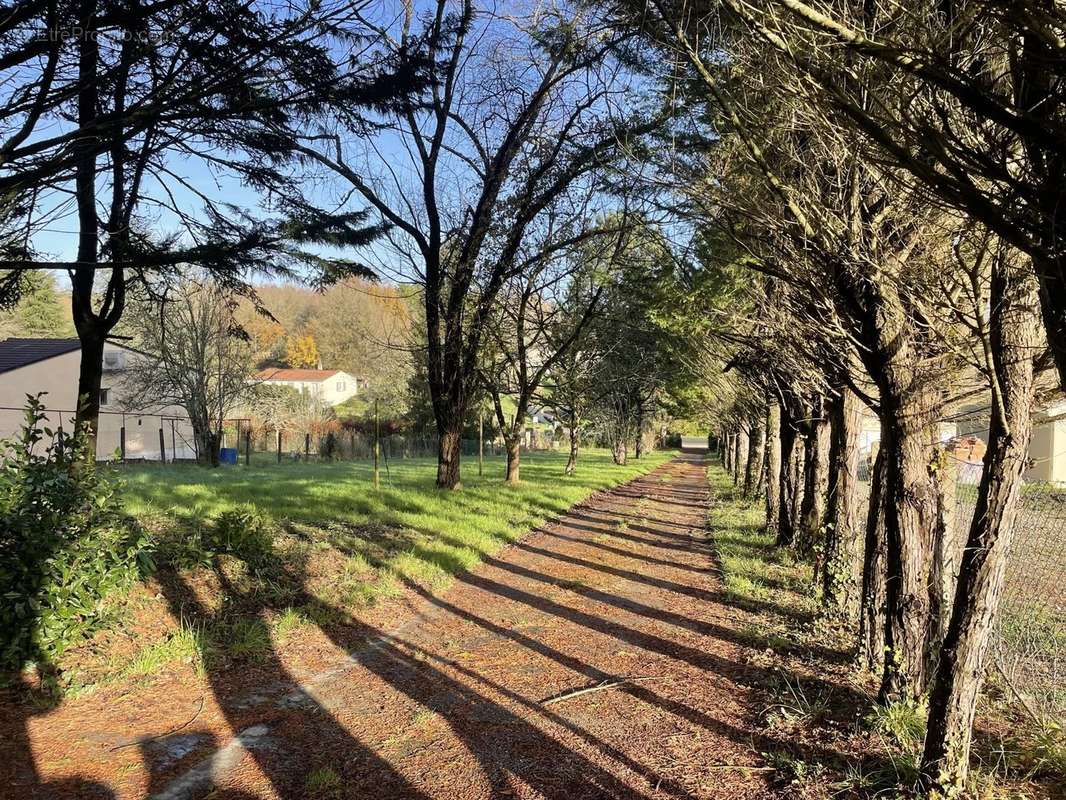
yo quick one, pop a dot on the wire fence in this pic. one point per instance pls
(1029, 642)
(296, 446)
(121, 435)
(166, 438)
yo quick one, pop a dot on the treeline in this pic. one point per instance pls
(887, 181)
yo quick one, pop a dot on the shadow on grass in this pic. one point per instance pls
(281, 721)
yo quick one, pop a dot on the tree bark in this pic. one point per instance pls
(756, 443)
(773, 467)
(789, 494)
(638, 447)
(953, 698)
(946, 553)
(872, 597)
(910, 514)
(620, 452)
(815, 477)
(571, 461)
(842, 532)
(449, 448)
(740, 465)
(513, 444)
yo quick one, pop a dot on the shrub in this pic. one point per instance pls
(65, 542)
(244, 532)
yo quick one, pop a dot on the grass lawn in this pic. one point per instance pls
(406, 530)
(245, 556)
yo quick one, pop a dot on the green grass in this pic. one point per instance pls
(188, 644)
(753, 570)
(322, 783)
(406, 532)
(287, 623)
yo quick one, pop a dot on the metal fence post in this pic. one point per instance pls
(248, 447)
(480, 445)
(162, 445)
(307, 447)
(279, 445)
(122, 438)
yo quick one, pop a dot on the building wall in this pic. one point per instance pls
(329, 390)
(1048, 452)
(338, 388)
(58, 377)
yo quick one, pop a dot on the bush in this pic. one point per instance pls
(65, 542)
(246, 533)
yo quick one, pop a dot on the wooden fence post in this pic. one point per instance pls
(279, 445)
(307, 447)
(248, 447)
(162, 445)
(377, 446)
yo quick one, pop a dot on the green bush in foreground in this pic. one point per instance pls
(65, 543)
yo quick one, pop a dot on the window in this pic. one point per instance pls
(341, 386)
(105, 395)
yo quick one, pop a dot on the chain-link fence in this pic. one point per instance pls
(121, 435)
(1029, 644)
(289, 446)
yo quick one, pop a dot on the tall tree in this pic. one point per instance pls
(114, 114)
(196, 358)
(525, 111)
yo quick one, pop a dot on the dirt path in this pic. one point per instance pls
(449, 704)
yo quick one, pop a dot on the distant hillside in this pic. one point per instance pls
(362, 328)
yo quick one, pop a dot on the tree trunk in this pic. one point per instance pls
(796, 506)
(638, 447)
(789, 493)
(872, 597)
(953, 698)
(514, 456)
(815, 477)
(946, 554)
(449, 449)
(756, 442)
(571, 462)
(620, 452)
(727, 457)
(90, 375)
(740, 466)
(92, 328)
(842, 532)
(1051, 272)
(773, 467)
(910, 514)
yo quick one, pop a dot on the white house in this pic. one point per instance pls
(331, 386)
(31, 366)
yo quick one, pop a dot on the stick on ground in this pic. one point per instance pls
(599, 687)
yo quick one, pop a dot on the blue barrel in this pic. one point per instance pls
(228, 455)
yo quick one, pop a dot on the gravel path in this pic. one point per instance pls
(445, 698)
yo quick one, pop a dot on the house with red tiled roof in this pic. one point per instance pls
(331, 386)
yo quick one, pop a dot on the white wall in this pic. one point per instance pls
(329, 390)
